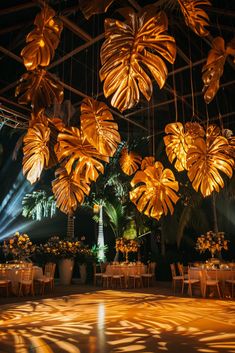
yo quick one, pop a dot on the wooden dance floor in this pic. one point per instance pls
(114, 321)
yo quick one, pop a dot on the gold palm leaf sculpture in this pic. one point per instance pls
(178, 140)
(36, 150)
(40, 89)
(98, 126)
(206, 158)
(43, 40)
(214, 67)
(155, 191)
(128, 48)
(129, 161)
(79, 155)
(69, 190)
(93, 7)
(195, 17)
(147, 162)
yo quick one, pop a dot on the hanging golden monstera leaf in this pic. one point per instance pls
(129, 161)
(214, 67)
(195, 17)
(36, 150)
(98, 126)
(155, 193)
(178, 141)
(127, 49)
(93, 7)
(206, 159)
(79, 154)
(39, 88)
(69, 190)
(43, 40)
(147, 162)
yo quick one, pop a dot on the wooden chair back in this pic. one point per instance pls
(27, 274)
(49, 270)
(173, 270)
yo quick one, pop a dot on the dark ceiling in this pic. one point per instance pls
(77, 63)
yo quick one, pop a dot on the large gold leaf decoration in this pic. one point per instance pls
(127, 49)
(36, 150)
(147, 162)
(214, 67)
(40, 89)
(155, 192)
(79, 154)
(206, 158)
(178, 140)
(69, 190)
(93, 7)
(129, 161)
(43, 40)
(195, 17)
(98, 126)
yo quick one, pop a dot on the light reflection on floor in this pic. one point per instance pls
(115, 321)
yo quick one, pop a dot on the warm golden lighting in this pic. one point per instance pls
(93, 7)
(114, 321)
(155, 193)
(195, 17)
(129, 47)
(129, 161)
(214, 67)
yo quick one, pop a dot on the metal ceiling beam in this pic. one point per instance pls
(12, 9)
(75, 29)
(9, 101)
(76, 51)
(10, 54)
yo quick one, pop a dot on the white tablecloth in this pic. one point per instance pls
(126, 269)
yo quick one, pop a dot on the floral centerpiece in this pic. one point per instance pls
(59, 248)
(212, 241)
(19, 246)
(126, 245)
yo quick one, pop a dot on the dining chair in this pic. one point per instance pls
(4, 281)
(136, 278)
(176, 278)
(189, 281)
(231, 282)
(47, 278)
(150, 275)
(26, 280)
(208, 282)
(98, 273)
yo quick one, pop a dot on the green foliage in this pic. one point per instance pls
(38, 205)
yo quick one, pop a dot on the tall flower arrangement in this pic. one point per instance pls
(19, 246)
(126, 245)
(59, 248)
(212, 241)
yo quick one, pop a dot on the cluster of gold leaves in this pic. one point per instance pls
(178, 140)
(82, 152)
(37, 86)
(130, 46)
(195, 17)
(204, 154)
(206, 158)
(155, 192)
(129, 161)
(43, 40)
(93, 7)
(214, 67)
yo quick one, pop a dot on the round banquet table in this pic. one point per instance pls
(14, 275)
(126, 270)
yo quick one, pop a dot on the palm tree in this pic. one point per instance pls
(38, 205)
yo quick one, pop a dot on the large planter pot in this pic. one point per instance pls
(66, 271)
(83, 273)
